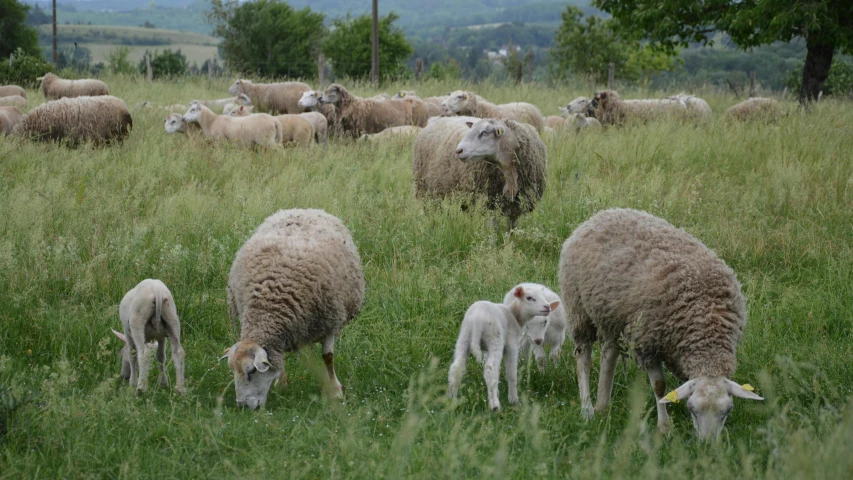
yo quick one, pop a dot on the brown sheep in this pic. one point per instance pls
(14, 101)
(8, 90)
(9, 117)
(277, 98)
(55, 88)
(609, 109)
(101, 120)
(357, 116)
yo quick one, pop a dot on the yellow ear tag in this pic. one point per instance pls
(672, 396)
(748, 387)
(499, 132)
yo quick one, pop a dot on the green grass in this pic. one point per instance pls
(81, 227)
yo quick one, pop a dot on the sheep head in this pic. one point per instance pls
(253, 373)
(194, 112)
(530, 304)
(175, 123)
(454, 103)
(334, 94)
(578, 105)
(710, 402)
(602, 100)
(309, 99)
(238, 87)
(491, 140)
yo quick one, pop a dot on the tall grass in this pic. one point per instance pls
(81, 227)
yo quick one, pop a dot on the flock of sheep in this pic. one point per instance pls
(628, 280)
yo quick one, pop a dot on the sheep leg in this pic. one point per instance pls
(491, 373)
(142, 365)
(335, 387)
(539, 354)
(609, 359)
(178, 354)
(554, 354)
(511, 372)
(658, 381)
(284, 379)
(132, 361)
(162, 379)
(456, 372)
(583, 355)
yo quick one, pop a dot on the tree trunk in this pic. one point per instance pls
(816, 69)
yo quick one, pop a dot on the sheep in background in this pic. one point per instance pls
(175, 123)
(55, 88)
(310, 102)
(10, 90)
(543, 330)
(432, 106)
(320, 124)
(260, 129)
(609, 109)
(578, 105)
(497, 328)
(277, 98)
(389, 133)
(632, 280)
(9, 117)
(178, 107)
(502, 160)
(297, 281)
(295, 128)
(16, 101)
(555, 123)
(579, 122)
(147, 314)
(757, 108)
(101, 120)
(357, 116)
(697, 108)
(471, 104)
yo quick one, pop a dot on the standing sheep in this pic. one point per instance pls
(502, 160)
(55, 88)
(632, 280)
(471, 104)
(496, 328)
(16, 101)
(697, 108)
(543, 330)
(609, 109)
(9, 117)
(260, 129)
(357, 116)
(148, 314)
(310, 103)
(295, 128)
(298, 280)
(101, 120)
(9, 90)
(275, 98)
(757, 108)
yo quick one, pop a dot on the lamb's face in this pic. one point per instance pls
(536, 328)
(483, 141)
(236, 88)
(454, 103)
(331, 95)
(578, 105)
(532, 304)
(709, 400)
(193, 113)
(239, 111)
(309, 99)
(253, 374)
(175, 124)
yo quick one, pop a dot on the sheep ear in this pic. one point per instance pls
(261, 360)
(554, 305)
(228, 352)
(518, 292)
(470, 124)
(742, 391)
(120, 336)
(680, 393)
(464, 96)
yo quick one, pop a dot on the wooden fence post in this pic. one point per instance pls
(321, 70)
(148, 65)
(419, 68)
(611, 74)
(11, 57)
(751, 83)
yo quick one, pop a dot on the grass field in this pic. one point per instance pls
(81, 227)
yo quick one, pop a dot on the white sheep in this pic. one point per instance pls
(259, 129)
(297, 281)
(147, 314)
(390, 133)
(496, 328)
(11, 90)
(578, 105)
(632, 280)
(310, 103)
(295, 128)
(16, 101)
(175, 123)
(101, 120)
(9, 117)
(697, 108)
(543, 330)
(276, 98)
(471, 104)
(55, 88)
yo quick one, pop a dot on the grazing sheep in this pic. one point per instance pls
(357, 116)
(632, 280)
(389, 133)
(579, 121)
(609, 109)
(276, 98)
(697, 108)
(101, 120)
(178, 107)
(432, 108)
(222, 104)
(295, 128)
(298, 280)
(259, 129)
(16, 101)
(757, 108)
(175, 123)
(320, 124)
(554, 122)
(471, 104)
(9, 117)
(310, 102)
(147, 314)
(150, 348)
(10, 90)
(543, 330)
(497, 328)
(503, 160)
(55, 88)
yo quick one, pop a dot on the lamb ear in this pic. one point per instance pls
(683, 392)
(741, 391)
(261, 360)
(554, 305)
(120, 336)
(518, 292)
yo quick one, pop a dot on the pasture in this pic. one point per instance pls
(80, 227)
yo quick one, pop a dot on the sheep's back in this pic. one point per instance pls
(628, 275)
(100, 119)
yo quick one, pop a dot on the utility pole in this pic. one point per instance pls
(374, 70)
(55, 65)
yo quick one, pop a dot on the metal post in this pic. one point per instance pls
(55, 65)
(374, 70)
(611, 73)
(11, 57)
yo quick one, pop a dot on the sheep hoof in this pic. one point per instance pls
(181, 390)
(663, 427)
(587, 412)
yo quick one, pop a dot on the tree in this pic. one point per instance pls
(14, 32)
(348, 46)
(166, 64)
(117, 61)
(267, 37)
(826, 26)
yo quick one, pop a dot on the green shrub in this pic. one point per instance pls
(24, 70)
(167, 64)
(839, 82)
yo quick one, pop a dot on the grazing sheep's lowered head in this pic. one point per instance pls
(454, 103)
(253, 373)
(709, 400)
(175, 123)
(310, 99)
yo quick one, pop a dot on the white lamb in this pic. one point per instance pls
(543, 330)
(496, 327)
